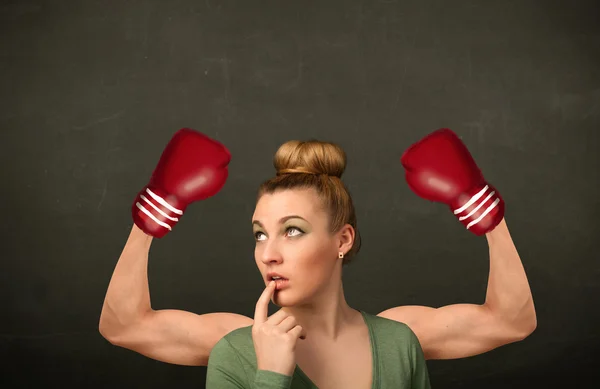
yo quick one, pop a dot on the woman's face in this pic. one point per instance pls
(292, 236)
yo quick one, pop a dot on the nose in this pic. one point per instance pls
(269, 253)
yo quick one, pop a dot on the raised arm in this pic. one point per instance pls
(440, 168)
(173, 336)
(463, 330)
(192, 167)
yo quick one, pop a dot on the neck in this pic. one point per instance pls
(327, 315)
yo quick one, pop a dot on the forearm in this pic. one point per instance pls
(128, 295)
(508, 293)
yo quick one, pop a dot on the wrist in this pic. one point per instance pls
(278, 370)
(272, 379)
(139, 236)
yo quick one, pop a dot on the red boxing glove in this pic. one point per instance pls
(440, 168)
(192, 167)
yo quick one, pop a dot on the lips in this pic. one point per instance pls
(272, 275)
(281, 281)
(281, 284)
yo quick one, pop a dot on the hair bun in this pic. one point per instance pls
(310, 157)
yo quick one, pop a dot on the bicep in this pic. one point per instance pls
(179, 337)
(454, 331)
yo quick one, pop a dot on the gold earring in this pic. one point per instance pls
(340, 255)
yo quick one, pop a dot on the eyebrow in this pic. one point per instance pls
(282, 220)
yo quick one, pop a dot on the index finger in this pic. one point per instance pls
(262, 305)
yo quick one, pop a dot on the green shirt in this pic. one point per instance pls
(398, 361)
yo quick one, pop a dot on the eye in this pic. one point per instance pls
(294, 228)
(299, 231)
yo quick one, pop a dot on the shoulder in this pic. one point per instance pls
(237, 344)
(392, 331)
(232, 359)
(398, 342)
(383, 323)
(237, 340)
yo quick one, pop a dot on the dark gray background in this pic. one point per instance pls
(92, 91)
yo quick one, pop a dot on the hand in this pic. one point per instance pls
(191, 168)
(440, 168)
(275, 337)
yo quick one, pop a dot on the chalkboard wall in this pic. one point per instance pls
(92, 91)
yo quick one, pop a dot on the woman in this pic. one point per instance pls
(312, 300)
(305, 230)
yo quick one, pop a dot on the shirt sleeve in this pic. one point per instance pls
(420, 374)
(265, 379)
(225, 371)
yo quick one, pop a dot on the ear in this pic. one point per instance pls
(345, 238)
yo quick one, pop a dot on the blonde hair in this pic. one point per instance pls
(316, 165)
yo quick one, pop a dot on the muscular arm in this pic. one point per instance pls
(463, 330)
(128, 320)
